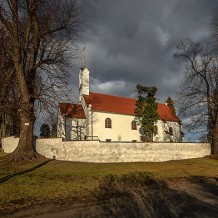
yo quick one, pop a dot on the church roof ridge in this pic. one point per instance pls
(123, 105)
(118, 96)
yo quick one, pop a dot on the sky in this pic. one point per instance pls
(130, 42)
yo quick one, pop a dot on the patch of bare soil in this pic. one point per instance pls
(193, 197)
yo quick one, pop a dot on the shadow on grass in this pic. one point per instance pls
(6, 178)
(207, 185)
(140, 195)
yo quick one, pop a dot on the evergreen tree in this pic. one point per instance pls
(45, 131)
(170, 103)
(146, 110)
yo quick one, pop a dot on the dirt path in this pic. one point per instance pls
(194, 197)
(205, 190)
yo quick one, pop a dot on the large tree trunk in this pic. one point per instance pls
(215, 146)
(215, 136)
(25, 150)
(34, 30)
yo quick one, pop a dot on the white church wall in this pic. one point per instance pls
(89, 118)
(60, 126)
(159, 137)
(77, 129)
(69, 124)
(83, 103)
(121, 127)
(176, 127)
(163, 127)
(83, 82)
(106, 152)
(94, 125)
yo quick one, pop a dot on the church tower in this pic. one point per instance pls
(83, 78)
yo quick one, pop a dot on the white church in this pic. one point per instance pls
(111, 118)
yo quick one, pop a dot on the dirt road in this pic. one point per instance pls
(194, 197)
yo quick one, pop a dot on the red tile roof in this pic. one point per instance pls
(109, 103)
(122, 105)
(72, 110)
(166, 114)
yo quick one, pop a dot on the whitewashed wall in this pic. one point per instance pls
(121, 127)
(83, 82)
(9, 144)
(163, 127)
(103, 152)
(61, 125)
(94, 125)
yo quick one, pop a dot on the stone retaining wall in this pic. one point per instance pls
(9, 144)
(105, 152)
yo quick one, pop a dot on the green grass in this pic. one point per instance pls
(62, 181)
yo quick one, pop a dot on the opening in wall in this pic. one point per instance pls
(134, 125)
(108, 123)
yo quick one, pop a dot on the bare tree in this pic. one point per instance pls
(42, 35)
(214, 30)
(199, 91)
(9, 90)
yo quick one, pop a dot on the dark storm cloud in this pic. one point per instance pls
(130, 42)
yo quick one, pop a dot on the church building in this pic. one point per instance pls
(111, 118)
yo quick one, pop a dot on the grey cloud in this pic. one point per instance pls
(134, 41)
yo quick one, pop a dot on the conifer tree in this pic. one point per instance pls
(170, 103)
(146, 110)
(45, 131)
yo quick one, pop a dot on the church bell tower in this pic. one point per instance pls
(83, 78)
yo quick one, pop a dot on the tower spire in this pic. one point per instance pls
(84, 62)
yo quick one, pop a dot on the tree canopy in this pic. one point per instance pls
(45, 131)
(199, 92)
(170, 103)
(38, 44)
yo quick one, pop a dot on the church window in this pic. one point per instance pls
(108, 123)
(170, 131)
(155, 130)
(134, 125)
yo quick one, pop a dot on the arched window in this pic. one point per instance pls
(134, 125)
(155, 130)
(108, 123)
(170, 131)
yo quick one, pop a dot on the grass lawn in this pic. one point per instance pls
(42, 182)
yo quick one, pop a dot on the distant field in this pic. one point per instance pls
(61, 181)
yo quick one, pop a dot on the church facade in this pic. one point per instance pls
(111, 118)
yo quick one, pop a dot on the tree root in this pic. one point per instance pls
(19, 156)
